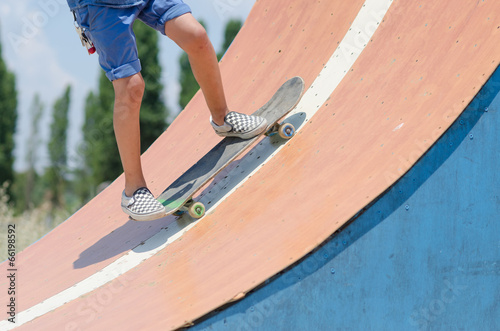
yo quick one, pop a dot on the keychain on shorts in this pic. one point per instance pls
(86, 42)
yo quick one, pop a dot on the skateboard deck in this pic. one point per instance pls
(177, 198)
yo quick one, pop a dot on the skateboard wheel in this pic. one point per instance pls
(197, 210)
(286, 131)
(272, 130)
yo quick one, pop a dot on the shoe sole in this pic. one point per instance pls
(144, 217)
(247, 135)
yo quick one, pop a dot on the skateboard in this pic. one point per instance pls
(178, 197)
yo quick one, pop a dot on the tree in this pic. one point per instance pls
(232, 29)
(8, 117)
(153, 109)
(36, 112)
(57, 148)
(26, 190)
(99, 150)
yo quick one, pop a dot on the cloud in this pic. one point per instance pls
(5, 9)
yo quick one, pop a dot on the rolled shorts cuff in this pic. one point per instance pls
(175, 11)
(123, 71)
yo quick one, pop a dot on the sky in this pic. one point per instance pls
(41, 47)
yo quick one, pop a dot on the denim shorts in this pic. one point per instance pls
(110, 29)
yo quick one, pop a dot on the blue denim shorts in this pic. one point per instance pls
(110, 29)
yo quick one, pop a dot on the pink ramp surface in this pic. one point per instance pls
(418, 72)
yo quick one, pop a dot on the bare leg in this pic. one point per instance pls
(128, 98)
(192, 38)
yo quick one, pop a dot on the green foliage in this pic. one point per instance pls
(57, 149)
(153, 110)
(36, 111)
(31, 224)
(104, 159)
(8, 117)
(58, 131)
(189, 85)
(24, 188)
(30, 190)
(232, 29)
(99, 152)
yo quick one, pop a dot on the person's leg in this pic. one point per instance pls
(113, 37)
(128, 97)
(137, 200)
(192, 38)
(112, 34)
(173, 18)
(190, 35)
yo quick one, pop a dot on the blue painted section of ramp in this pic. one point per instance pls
(425, 256)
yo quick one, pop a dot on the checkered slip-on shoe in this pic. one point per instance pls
(240, 125)
(142, 205)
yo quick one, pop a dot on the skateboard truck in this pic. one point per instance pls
(194, 209)
(284, 130)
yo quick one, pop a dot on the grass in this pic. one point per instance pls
(30, 226)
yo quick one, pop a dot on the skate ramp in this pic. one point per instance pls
(384, 81)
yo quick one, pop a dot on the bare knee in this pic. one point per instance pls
(129, 90)
(189, 34)
(196, 40)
